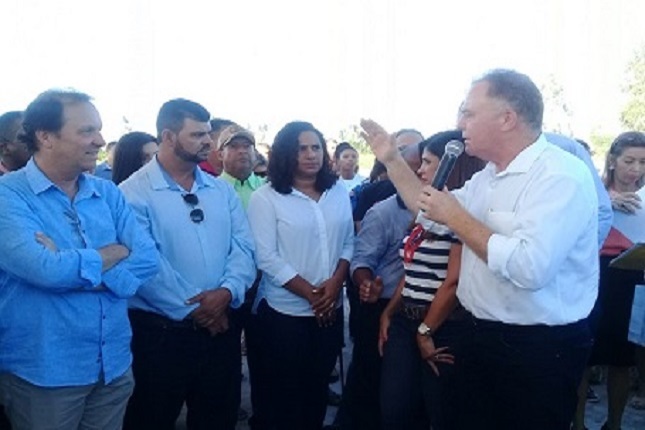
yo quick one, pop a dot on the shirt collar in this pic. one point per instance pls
(39, 182)
(251, 181)
(524, 160)
(160, 179)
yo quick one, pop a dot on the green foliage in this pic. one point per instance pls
(633, 115)
(557, 113)
(600, 143)
(352, 135)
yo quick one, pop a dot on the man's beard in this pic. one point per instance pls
(186, 156)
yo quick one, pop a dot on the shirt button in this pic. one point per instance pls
(103, 343)
(103, 316)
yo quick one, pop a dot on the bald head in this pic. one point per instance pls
(407, 137)
(410, 154)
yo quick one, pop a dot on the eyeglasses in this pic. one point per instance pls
(196, 215)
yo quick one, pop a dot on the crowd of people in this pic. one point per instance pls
(126, 287)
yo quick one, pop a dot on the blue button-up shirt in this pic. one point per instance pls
(379, 240)
(63, 321)
(605, 211)
(217, 252)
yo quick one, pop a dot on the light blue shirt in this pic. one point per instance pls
(605, 211)
(194, 257)
(296, 235)
(104, 171)
(57, 328)
(379, 240)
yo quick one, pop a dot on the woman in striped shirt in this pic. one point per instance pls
(412, 395)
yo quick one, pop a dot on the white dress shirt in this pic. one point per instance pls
(296, 235)
(543, 254)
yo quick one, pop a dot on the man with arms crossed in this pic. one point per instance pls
(72, 253)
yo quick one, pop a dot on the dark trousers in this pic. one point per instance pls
(4, 421)
(360, 407)
(412, 396)
(174, 363)
(521, 377)
(295, 359)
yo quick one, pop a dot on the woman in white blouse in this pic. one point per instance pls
(302, 224)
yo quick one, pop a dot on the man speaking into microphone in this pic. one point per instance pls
(529, 267)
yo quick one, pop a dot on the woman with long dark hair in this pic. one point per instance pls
(302, 224)
(412, 395)
(624, 175)
(132, 151)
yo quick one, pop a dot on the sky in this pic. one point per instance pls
(404, 63)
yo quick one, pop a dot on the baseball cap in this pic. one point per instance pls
(231, 132)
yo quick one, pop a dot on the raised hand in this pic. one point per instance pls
(382, 143)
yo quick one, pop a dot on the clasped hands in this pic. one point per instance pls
(212, 312)
(625, 202)
(323, 301)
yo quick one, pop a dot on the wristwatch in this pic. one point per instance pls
(425, 330)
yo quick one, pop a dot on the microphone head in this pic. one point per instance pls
(454, 148)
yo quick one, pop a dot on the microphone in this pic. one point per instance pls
(453, 150)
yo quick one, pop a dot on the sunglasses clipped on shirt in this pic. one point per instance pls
(196, 214)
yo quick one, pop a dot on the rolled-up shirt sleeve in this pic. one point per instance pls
(25, 258)
(125, 278)
(539, 238)
(369, 245)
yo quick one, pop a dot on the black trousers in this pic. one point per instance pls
(521, 377)
(176, 363)
(295, 358)
(360, 407)
(4, 421)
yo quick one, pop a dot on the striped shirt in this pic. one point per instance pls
(427, 270)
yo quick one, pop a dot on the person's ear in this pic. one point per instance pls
(45, 138)
(168, 136)
(509, 119)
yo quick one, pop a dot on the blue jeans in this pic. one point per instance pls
(521, 377)
(412, 396)
(86, 407)
(173, 365)
(295, 359)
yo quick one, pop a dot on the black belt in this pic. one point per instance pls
(414, 312)
(156, 320)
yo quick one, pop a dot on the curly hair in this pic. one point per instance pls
(284, 159)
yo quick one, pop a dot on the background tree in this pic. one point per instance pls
(557, 112)
(633, 115)
(352, 135)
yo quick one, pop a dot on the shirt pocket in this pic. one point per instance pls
(501, 222)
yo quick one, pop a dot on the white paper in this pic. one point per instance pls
(632, 225)
(636, 332)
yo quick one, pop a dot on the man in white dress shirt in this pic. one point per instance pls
(529, 267)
